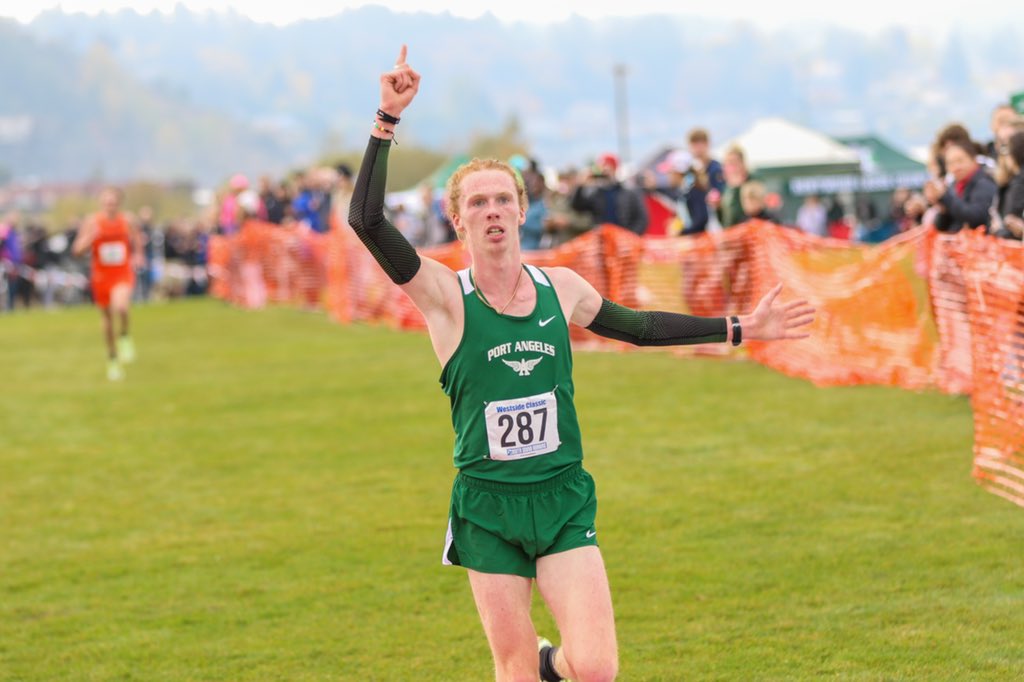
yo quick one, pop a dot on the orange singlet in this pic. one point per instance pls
(111, 257)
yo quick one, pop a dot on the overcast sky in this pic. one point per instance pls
(866, 15)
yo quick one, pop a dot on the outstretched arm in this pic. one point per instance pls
(767, 322)
(656, 328)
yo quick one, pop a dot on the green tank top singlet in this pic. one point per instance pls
(510, 385)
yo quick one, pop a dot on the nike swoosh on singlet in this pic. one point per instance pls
(591, 533)
(544, 322)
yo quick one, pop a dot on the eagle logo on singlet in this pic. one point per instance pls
(524, 367)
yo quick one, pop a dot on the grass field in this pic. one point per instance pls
(265, 498)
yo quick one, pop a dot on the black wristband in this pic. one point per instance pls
(387, 118)
(737, 330)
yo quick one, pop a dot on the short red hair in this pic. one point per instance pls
(453, 191)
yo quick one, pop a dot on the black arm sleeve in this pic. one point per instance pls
(366, 216)
(655, 328)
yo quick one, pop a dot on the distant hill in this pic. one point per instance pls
(67, 115)
(310, 88)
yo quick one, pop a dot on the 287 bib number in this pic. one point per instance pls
(522, 427)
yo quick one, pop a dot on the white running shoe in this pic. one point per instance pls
(126, 349)
(114, 371)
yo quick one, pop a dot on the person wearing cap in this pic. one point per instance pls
(602, 196)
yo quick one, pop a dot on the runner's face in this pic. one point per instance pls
(489, 211)
(109, 201)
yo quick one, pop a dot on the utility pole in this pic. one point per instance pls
(621, 112)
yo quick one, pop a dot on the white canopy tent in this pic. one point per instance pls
(775, 144)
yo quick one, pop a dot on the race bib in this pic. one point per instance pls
(522, 427)
(113, 253)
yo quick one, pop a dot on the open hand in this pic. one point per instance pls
(398, 86)
(771, 321)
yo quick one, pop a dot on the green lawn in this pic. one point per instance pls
(265, 498)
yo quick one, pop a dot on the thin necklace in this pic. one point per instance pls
(476, 288)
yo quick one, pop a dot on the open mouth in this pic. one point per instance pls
(495, 230)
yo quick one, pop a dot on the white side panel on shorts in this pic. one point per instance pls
(448, 540)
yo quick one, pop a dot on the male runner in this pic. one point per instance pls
(522, 507)
(114, 243)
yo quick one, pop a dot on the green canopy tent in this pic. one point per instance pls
(883, 170)
(439, 177)
(412, 199)
(1017, 101)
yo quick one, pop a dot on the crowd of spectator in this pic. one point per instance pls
(37, 267)
(971, 185)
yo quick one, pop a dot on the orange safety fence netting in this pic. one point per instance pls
(949, 308)
(993, 280)
(923, 310)
(266, 263)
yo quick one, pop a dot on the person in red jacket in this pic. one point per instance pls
(113, 241)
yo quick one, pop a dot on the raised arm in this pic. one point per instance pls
(389, 247)
(769, 321)
(422, 278)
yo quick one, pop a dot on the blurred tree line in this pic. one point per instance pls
(169, 202)
(408, 166)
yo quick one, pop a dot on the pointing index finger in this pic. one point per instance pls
(401, 56)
